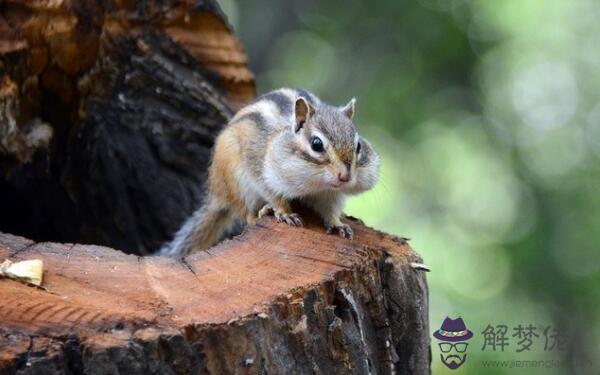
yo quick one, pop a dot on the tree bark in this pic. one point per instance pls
(108, 111)
(275, 300)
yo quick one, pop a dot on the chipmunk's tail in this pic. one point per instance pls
(203, 229)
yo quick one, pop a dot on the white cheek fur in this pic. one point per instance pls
(293, 177)
(366, 177)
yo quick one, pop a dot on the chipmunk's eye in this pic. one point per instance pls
(358, 146)
(316, 144)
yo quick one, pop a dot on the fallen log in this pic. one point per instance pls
(274, 300)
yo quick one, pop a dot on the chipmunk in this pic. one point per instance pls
(286, 145)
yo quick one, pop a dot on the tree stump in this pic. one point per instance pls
(274, 300)
(108, 112)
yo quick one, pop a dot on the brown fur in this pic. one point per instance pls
(262, 159)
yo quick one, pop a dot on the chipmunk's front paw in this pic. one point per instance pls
(289, 218)
(343, 230)
(267, 210)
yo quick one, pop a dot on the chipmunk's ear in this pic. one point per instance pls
(303, 111)
(348, 109)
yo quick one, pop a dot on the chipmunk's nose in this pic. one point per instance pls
(344, 177)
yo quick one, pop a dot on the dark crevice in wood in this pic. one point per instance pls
(133, 105)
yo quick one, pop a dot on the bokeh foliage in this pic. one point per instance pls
(487, 118)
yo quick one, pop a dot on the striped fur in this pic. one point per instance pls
(264, 157)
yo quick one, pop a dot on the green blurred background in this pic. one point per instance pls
(487, 118)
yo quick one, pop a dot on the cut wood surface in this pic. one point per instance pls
(275, 299)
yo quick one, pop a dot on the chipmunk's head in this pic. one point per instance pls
(327, 140)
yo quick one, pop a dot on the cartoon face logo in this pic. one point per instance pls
(453, 350)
